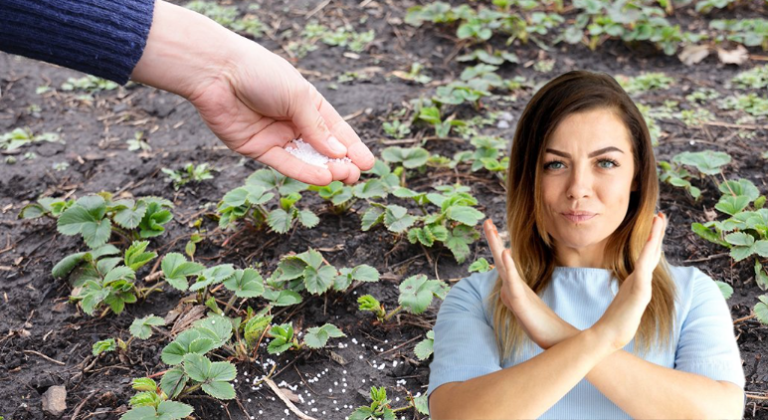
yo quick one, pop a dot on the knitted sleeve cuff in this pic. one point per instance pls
(104, 38)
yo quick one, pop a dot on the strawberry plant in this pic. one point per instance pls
(192, 370)
(20, 137)
(96, 217)
(189, 173)
(248, 201)
(416, 293)
(315, 338)
(340, 195)
(307, 271)
(98, 278)
(141, 328)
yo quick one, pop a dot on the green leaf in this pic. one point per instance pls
(118, 273)
(222, 371)
(425, 348)
(316, 337)
(373, 216)
(245, 283)
(761, 310)
(216, 327)
(308, 219)
(67, 264)
(280, 220)
(732, 205)
(220, 390)
(740, 239)
(397, 219)
(290, 267)
(172, 410)
(144, 384)
(707, 162)
(142, 327)
(197, 366)
(414, 295)
(173, 382)
(707, 234)
(740, 187)
(458, 241)
(761, 277)
(130, 217)
(480, 266)
(135, 257)
(410, 157)
(176, 269)
(373, 188)
(366, 273)
(464, 214)
(104, 346)
(319, 281)
(140, 413)
(213, 275)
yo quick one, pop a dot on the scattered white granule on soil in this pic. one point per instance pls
(308, 154)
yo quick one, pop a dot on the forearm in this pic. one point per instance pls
(666, 393)
(185, 51)
(526, 390)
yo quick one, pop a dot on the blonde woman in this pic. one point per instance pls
(583, 317)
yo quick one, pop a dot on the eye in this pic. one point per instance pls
(611, 162)
(552, 165)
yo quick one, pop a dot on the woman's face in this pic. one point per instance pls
(586, 183)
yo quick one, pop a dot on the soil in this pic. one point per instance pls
(46, 341)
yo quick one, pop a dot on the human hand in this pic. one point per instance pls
(254, 101)
(538, 320)
(619, 323)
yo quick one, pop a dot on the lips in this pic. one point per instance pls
(578, 216)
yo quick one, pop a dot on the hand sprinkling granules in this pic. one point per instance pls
(305, 152)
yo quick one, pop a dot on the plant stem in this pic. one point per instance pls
(229, 303)
(190, 390)
(394, 311)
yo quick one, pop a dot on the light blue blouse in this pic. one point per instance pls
(465, 347)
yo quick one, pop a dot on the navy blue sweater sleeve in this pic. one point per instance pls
(104, 38)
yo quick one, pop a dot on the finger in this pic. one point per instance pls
(651, 248)
(494, 241)
(354, 174)
(356, 150)
(311, 124)
(293, 167)
(339, 170)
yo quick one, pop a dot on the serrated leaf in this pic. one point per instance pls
(372, 217)
(725, 289)
(424, 349)
(197, 366)
(130, 217)
(220, 390)
(245, 283)
(364, 272)
(319, 281)
(397, 219)
(218, 325)
(464, 214)
(308, 219)
(173, 382)
(280, 220)
(316, 337)
(142, 327)
(172, 410)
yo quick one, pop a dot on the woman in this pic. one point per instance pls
(585, 275)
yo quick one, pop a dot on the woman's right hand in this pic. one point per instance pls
(619, 323)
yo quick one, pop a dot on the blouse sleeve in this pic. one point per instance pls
(707, 344)
(464, 344)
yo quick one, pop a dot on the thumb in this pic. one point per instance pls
(311, 124)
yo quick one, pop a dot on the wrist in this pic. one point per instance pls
(185, 51)
(599, 342)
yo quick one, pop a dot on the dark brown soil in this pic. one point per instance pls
(36, 318)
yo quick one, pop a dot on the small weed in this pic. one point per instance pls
(189, 173)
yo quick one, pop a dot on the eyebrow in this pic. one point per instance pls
(593, 154)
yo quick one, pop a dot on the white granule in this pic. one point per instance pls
(308, 154)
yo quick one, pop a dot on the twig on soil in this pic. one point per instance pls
(399, 347)
(44, 357)
(287, 402)
(711, 257)
(80, 406)
(319, 7)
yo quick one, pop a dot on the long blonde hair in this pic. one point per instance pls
(531, 247)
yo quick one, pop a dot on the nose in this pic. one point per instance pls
(579, 184)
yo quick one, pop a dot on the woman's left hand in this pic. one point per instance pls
(538, 320)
